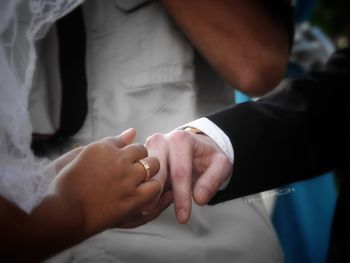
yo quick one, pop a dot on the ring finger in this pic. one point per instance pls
(146, 169)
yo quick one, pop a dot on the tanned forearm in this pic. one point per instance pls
(242, 40)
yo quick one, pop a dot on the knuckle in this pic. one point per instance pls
(98, 147)
(155, 138)
(121, 162)
(179, 136)
(179, 174)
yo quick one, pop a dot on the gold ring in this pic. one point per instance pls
(147, 169)
(193, 130)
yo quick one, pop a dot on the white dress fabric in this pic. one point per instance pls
(23, 178)
(141, 74)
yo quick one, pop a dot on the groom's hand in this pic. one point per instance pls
(195, 164)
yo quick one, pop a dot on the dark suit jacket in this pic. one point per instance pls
(298, 131)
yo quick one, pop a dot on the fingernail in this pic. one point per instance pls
(181, 215)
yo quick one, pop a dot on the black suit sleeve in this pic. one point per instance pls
(296, 132)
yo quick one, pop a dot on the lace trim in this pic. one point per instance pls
(23, 178)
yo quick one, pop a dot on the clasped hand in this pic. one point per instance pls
(105, 184)
(191, 165)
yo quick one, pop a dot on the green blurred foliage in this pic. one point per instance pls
(333, 16)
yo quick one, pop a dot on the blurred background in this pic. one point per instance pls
(333, 17)
(303, 219)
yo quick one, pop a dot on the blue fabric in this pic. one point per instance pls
(240, 97)
(303, 220)
(303, 10)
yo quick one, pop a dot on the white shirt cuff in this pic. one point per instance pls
(215, 133)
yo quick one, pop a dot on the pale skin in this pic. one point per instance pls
(195, 165)
(249, 48)
(98, 186)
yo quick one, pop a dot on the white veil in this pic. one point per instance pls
(23, 179)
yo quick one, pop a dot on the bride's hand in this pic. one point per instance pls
(106, 185)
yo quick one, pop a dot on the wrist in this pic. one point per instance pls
(211, 130)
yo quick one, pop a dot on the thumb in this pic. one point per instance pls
(128, 136)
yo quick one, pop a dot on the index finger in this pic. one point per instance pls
(180, 157)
